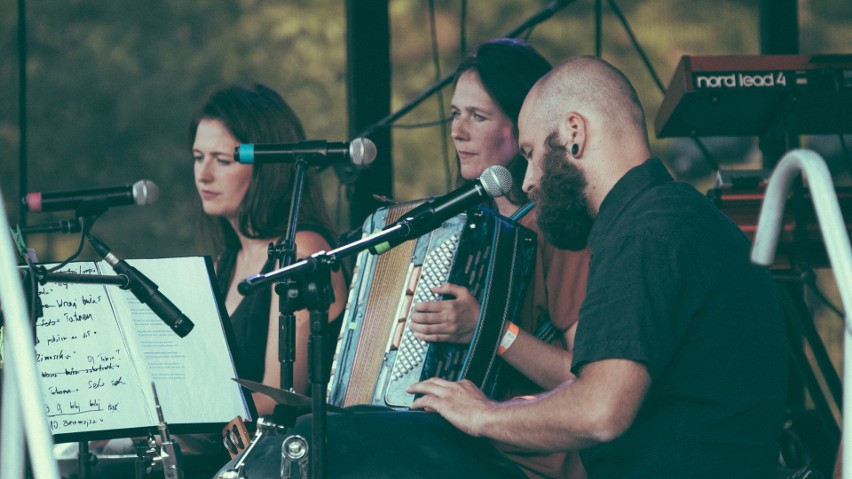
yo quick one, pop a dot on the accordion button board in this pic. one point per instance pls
(377, 356)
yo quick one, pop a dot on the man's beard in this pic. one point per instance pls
(563, 212)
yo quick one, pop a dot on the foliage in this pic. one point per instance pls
(111, 85)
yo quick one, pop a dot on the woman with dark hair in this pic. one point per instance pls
(246, 208)
(490, 86)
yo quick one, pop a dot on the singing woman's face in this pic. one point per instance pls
(483, 135)
(221, 181)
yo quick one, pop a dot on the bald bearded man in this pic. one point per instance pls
(680, 357)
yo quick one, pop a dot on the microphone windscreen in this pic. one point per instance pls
(362, 151)
(33, 201)
(145, 192)
(497, 181)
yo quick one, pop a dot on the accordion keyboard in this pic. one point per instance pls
(377, 357)
(408, 365)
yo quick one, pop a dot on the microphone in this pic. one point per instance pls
(495, 181)
(359, 152)
(145, 290)
(142, 193)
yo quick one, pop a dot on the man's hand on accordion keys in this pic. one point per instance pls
(461, 403)
(452, 320)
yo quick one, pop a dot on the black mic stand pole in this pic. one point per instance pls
(84, 218)
(392, 236)
(63, 226)
(318, 295)
(43, 277)
(288, 300)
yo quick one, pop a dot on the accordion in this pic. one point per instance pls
(377, 357)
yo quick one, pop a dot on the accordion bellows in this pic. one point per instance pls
(377, 358)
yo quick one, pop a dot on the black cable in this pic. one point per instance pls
(708, 157)
(545, 13)
(22, 110)
(706, 152)
(809, 279)
(463, 53)
(598, 28)
(840, 110)
(845, 152)
(463, 28)
(436, 60)
(34, 307)
(636, 45)
(341, 190)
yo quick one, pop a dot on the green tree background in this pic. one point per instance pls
(111, 86)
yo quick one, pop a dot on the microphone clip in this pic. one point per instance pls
(91, 209)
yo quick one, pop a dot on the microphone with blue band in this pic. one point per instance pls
(359, 152)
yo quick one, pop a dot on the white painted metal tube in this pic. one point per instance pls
(30, 421)
(836, 240)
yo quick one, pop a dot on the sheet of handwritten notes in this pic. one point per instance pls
(90, 380)
(98, 349)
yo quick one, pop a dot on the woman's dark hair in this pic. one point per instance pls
(257, 114)
(508, 69)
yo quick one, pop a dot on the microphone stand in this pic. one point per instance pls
(63, 226)
(318, 294)
(84, 218)
(317, 291)
(392, 236)
(315, 272)
(318, 297)
(289, 300)
(43, 277)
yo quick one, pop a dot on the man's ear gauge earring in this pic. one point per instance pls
(575, 148)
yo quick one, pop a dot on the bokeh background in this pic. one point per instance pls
(110, 87)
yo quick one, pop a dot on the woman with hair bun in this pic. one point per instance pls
(491, 84)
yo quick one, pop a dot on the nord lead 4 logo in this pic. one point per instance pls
(741, 80)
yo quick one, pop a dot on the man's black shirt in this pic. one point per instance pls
(671, 286)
